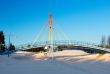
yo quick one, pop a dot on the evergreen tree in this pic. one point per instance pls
(11, 47)
(2, 41)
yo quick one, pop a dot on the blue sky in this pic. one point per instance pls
(81, 20)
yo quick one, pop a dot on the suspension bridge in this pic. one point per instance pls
(52, 35)
(38, 42)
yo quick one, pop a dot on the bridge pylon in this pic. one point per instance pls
(50, 35)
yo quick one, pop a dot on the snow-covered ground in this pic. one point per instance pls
(64, 62)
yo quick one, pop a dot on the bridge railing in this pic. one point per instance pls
(56, 43)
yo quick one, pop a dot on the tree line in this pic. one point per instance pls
(105, 42)
(3, 45)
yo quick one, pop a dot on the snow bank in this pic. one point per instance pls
(66, 62)
(66, 55)
(80, 56)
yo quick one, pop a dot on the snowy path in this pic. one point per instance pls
(25, 64)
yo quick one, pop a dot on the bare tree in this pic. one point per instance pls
(108, 42)
(103, 42)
